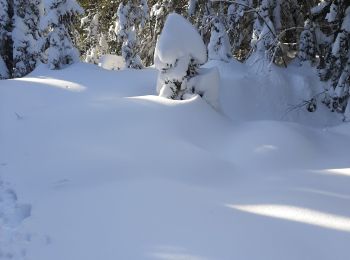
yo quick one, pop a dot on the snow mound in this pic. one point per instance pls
(112, 62)
(206, 84)
(253, 93)
(179, 38)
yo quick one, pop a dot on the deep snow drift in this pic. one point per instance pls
(94, 166)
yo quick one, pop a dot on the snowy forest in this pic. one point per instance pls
(174, 129)
(59, 32)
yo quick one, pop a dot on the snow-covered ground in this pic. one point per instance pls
(94, 166)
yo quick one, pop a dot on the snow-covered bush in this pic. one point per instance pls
(112, 62)
(58, 22)
(179, 53)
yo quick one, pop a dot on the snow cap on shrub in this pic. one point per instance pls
(179, 38)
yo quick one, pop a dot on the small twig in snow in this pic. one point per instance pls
(19, 117)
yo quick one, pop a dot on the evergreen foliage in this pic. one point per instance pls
(26, 36)
(96, 40)
(240, 28)
(333, 18)
(58, 23)
(131, 16)
(219, 47)
(307, 44)
(4, 39)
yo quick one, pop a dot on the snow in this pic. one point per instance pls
(206, 84)
(192, 7)
(219, 47)
(179, 38)
(94, 165)
(346, 23)
(332, 15)
(112, 62)
(3, 69)
(174, 72)
(319, 7)
(256, 92)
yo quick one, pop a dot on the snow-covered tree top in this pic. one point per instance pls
(59, 8)
(178, 39)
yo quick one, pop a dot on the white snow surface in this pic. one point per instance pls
(94, 165)
(112, 62)
(346, 23)
(206, 84)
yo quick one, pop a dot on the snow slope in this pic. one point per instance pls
(94, 166)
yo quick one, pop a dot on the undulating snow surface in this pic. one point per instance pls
(94, 166)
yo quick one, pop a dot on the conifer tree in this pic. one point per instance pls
(153, 28)
(264, 32)
(240, 28)
(292, 21)
(26, 36)
(219, 47)
(334, 19)
(277, 23)
(340, 79)
(4, 37)
(95, 39)
(202, 14)
(307, 44)
(131, 16)
(107, 12)
(59, 25)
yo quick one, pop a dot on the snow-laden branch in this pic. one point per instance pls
(256, 11)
